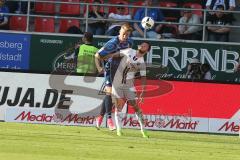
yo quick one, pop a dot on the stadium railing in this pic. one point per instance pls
(31, 14)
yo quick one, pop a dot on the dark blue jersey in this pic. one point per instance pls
(112, 46)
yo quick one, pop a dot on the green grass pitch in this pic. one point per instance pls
(20, 141)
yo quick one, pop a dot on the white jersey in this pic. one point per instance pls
(123, 83)
(129, 66)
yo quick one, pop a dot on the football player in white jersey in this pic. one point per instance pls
(123, 84)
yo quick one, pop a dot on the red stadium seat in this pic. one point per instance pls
(66, 23)
(170, 15)
(113, 9)
(168, 4)
(70, 9)
(45, 8)
(44, 24)
(195, 6)
(18, 23)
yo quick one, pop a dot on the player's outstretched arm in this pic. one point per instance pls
(98, 61)
(106, 56)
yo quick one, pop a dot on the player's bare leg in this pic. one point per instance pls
(139, 116)
(118, 107)
(106, 109)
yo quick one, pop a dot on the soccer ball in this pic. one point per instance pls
(147, 22)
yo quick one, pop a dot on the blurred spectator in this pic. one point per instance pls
(96, 27)
(113, 29)
(168, 31)
(219, 33)
(157, 16)
(228, 4)
(74, 30)
(188, 30)
(205, 72)
(17, 7)
(12, 6)
(194, 70)
(3, 18)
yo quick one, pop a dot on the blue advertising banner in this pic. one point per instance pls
(14, 51)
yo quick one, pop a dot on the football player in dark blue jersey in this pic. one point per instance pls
(114, 45)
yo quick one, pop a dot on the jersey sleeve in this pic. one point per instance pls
(109, 48)
(130, 41)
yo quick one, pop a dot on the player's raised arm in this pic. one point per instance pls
(106, 52)
(98, 62)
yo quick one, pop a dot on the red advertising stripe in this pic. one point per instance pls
(191, 98)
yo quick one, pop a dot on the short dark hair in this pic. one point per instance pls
(205, 66)
(88, 36)
(220, 7)
(99, 1)
(120, 7)
(188, 9)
